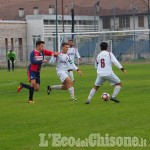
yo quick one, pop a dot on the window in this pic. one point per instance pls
(6, 45)
(124, 22)
(84, 23)
(80, 22)
(12, 43)
(75, 22)
(46, 22)
(141, 21)
(106, 23)
(60, 22)
(90, 23)
(69, 22)
(35, 39)
(49, 22)
(20, 46)
(52, 22)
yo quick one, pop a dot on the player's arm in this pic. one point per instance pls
(52, 60)
(72, 66)
(50, 53)
(96, 62)
(116, 62)
(14, 55)
(77, 54)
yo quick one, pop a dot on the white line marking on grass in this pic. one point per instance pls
(8, 83)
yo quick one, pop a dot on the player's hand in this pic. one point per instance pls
(79, 72)
(44, 61)
(80, 59)
(125, 71)
(56, 53)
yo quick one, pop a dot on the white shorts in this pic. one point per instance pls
(112, 79)
(62, 75)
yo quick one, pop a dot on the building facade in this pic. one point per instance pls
(40, 22)
(44, 27)
(13, 35)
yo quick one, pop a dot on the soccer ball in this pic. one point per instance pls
(105, 97)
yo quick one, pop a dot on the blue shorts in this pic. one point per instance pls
(33, 75)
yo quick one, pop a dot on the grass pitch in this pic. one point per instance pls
(21, 123)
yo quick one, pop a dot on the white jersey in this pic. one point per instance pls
(104, 63)
(73, 52)
(63, 62)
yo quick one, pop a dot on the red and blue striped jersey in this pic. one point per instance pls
(36, 58)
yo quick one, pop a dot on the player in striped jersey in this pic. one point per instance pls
(64, 64)
(36, 60)
(105, 73)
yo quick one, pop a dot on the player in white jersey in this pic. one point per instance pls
(73, 53)
(105, 73)
(64, 64)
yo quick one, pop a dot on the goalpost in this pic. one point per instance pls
(127, 45)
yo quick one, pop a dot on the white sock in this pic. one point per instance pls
(92, 92)
(116, 91)
(57, 87)
(71, 91)
(71, 75)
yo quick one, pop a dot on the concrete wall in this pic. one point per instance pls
(12, 31)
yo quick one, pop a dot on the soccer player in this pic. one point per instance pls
(105, 73)
(64, 64)
(73, 52)
(36, 60)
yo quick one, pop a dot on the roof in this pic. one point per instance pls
(9, 9)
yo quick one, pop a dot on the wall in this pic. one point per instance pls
(12, 31)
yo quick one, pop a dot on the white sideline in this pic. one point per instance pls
(8, 83)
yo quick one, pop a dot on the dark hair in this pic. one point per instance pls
(103, 46)
(70, 40)
(39, 43)
(64, 44)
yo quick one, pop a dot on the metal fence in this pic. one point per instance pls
(127, 46)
